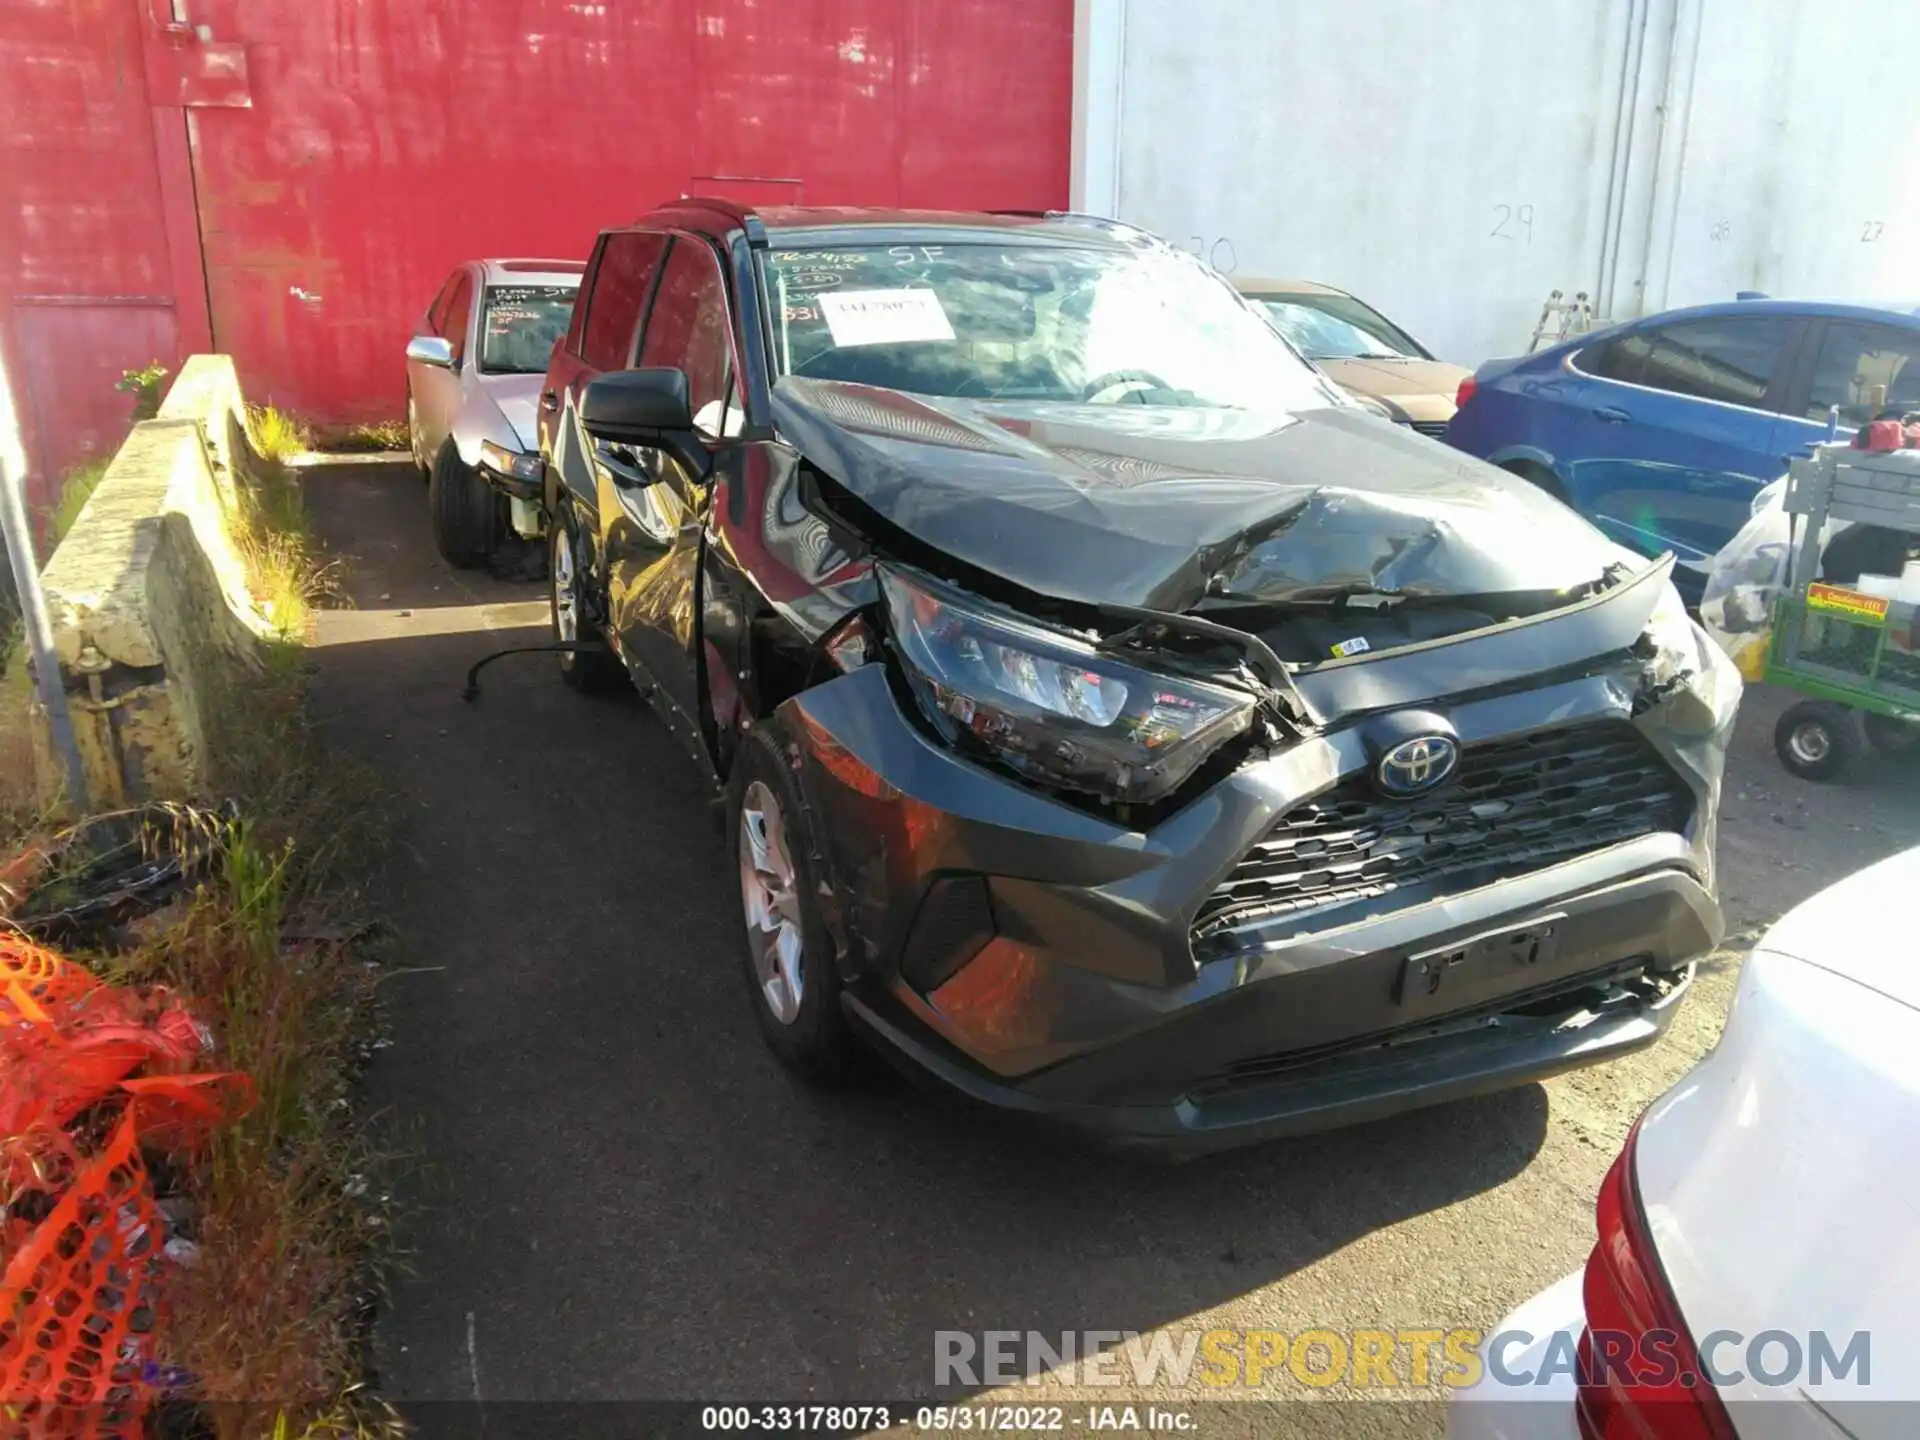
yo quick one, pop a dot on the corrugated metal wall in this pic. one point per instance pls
(346, 153)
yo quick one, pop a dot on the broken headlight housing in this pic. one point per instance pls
(1687, 661)
(1048, 704)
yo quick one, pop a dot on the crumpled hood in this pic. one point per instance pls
(1158, 507)
(517, 398)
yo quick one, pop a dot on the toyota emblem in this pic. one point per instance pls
(1416, 766)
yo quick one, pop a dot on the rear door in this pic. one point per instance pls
(1671, 433)
(654, 509)
(1864, 367)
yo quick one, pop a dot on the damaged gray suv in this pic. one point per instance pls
(1118, 724)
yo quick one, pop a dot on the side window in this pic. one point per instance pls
(1865, 369)
(620, 284)
(1622, 359)
(459, 312)
(437, 312)
(1731, 360)
(690, 328)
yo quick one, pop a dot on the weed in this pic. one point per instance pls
(277, 436)
(285, 570)
(147, 386)
(378, 437)
(76, 488)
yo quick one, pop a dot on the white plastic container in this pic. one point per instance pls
(1886, 587)
(1909, 591)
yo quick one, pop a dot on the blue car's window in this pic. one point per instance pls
(1865, 370)
(1730, 359)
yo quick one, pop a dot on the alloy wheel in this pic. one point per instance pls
(770, 894)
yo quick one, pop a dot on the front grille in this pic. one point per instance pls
(1436, 429)
(1513, 806)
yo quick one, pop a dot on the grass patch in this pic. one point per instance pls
(286, 570)
(75, 490)
(379, 437)
(277, 437)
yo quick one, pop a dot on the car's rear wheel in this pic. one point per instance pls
(787, 958)
(572, 608)
(465, 511)
(1816, 739)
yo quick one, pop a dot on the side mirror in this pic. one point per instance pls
(431, 350)
(637, 406)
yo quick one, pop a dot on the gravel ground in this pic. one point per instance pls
(625, 1198)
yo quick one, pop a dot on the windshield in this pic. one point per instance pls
(1046, 322)
(1338, 327)
(521, 325)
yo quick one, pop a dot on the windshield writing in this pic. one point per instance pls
(1147, 326)
(521, 326)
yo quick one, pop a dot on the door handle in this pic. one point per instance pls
(1611, 415)
(550, 401)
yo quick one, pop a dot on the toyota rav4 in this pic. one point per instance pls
(1117, 723)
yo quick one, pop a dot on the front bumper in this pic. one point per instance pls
(1079, 997)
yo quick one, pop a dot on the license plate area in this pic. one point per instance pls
(1481, 968)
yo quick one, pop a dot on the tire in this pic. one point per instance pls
(1816, 739)
(573, 610)
(766, 825)
(1538, 476)
(1892, 737)
(465, 511)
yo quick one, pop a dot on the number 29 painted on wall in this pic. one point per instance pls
(1513, 222)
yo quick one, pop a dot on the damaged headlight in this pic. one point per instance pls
(1689, 665)
(1050, 705)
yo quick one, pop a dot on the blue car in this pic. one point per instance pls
(1661, 430)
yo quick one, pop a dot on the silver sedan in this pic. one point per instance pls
(474, 372)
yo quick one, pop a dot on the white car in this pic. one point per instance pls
(1760, 1233)
(474, 373)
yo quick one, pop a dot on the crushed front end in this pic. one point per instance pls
(1388, 881)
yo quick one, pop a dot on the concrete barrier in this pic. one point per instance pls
(149, 600)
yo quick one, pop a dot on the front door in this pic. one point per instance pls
(659, 508)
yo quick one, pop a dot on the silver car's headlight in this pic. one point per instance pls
(514, 464)
(1048, 704)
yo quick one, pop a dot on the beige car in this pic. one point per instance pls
(1364, 353)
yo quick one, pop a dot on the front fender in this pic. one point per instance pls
(479, 419)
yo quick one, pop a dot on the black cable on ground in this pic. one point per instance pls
(471, 691)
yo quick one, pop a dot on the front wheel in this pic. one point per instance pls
(788, 960)
(465, 511)
(571, 610)
(1816, 739)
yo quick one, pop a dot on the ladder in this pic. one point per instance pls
(1562, 319)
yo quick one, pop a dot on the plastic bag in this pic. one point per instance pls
(1747, 576)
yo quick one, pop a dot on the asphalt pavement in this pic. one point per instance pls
(617, 1193)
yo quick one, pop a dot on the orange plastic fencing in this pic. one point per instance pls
(88, 1073)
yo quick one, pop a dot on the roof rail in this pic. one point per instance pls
(745, 216)
(732, 209)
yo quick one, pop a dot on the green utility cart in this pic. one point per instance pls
(1847, 648)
